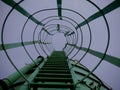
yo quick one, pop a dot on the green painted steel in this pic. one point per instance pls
(71, 33)
(54, 73)
(15, 45)
(22, 11)
(111, 59)
(25, 86)
(115, 4)
(58, 27)
(46, 31)
(59, 5)
(92, 82)
(66, 33)
(9, 81)
(19, 44)
(57, 73)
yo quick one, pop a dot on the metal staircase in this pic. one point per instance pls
(54, 74)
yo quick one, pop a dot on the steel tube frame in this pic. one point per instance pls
(7, 82)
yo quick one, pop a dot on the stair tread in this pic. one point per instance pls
(52, 85)
(53, 68)
(56, 63)
(52, 79)
(54, 71)
(45, 65)
(56, 67)
(53, 75)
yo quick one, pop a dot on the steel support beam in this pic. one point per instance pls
(113, 60)
(115, 4)
(58, 27)
(19, 44)
(22, 11)
(71, 33)
(59, 5)
(46, 31)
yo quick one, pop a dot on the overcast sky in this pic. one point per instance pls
(14, 25)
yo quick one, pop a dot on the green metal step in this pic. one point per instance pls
(46, 65)
(52, 79)
(57, 59)
(63, 65)
(53, 75)
(53, 68)
(51, 85)
(56, 63)
(54, 71)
